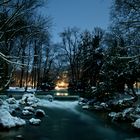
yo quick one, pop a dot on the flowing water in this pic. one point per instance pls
(65, 120)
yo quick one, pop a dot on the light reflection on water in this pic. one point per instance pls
(61, 94)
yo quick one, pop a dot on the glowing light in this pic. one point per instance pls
(61, 85)
(57, 88)
(66, 94)
(61, 94)
(58, 94)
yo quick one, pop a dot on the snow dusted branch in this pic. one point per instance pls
(9, 61)
(130, 57)
(25, 27)
(12, 16)
(6, 58)
(4, 2)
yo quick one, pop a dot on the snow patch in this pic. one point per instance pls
(16, 89)
(112, 114)
(28, 99)
(29, 108)
(127, 111)
(85, 107)
(8, 121)
(26, 112)
(35, 121)
(11, 101)
(136, 124)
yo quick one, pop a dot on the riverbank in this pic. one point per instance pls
(66, 120)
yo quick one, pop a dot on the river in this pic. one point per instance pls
(65, 120)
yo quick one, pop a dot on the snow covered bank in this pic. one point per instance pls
(6, 109)
(12, 106)
(8, 121)
(18, 89)
(123, 110)
(26, 106)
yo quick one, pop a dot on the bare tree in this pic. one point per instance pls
(70, 38)
(13, 27)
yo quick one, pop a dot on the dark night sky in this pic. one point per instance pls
(84, 14)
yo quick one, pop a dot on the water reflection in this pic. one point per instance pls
(61, 94)
(65, 120)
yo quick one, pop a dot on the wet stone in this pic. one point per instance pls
(19, 137)
(39, 113)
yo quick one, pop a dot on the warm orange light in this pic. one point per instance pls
(61, 85)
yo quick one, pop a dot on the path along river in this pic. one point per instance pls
(65, 120)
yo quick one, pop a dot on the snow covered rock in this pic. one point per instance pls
(13, 108)
(136, 124)
(125, 102)
(19, 137)
(11, 100)
(10, 107)
(120, 105)
(8, 121)
(117, 117)
(85, 107)
(125, 115)
(137, 110)
(34, 105)
(112, 114)
(49, 97)
(28, 99)
(34, 121)
(92, 102)
(39, 113)
(98, 107)
(82, 101)
(127, 112)
(104, 105)
(28, 110)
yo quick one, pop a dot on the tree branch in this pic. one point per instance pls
(4, 2)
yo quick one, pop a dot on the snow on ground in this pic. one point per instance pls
(11, 100)
(9, 105)
(8, 121)
(21, 89)
(136, 124)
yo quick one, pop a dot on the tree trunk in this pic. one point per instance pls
(22, 69)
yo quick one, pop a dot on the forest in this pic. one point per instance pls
(108, 60)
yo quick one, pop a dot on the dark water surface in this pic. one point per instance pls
(65, 120)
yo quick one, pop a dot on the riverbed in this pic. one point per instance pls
(66, 120)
